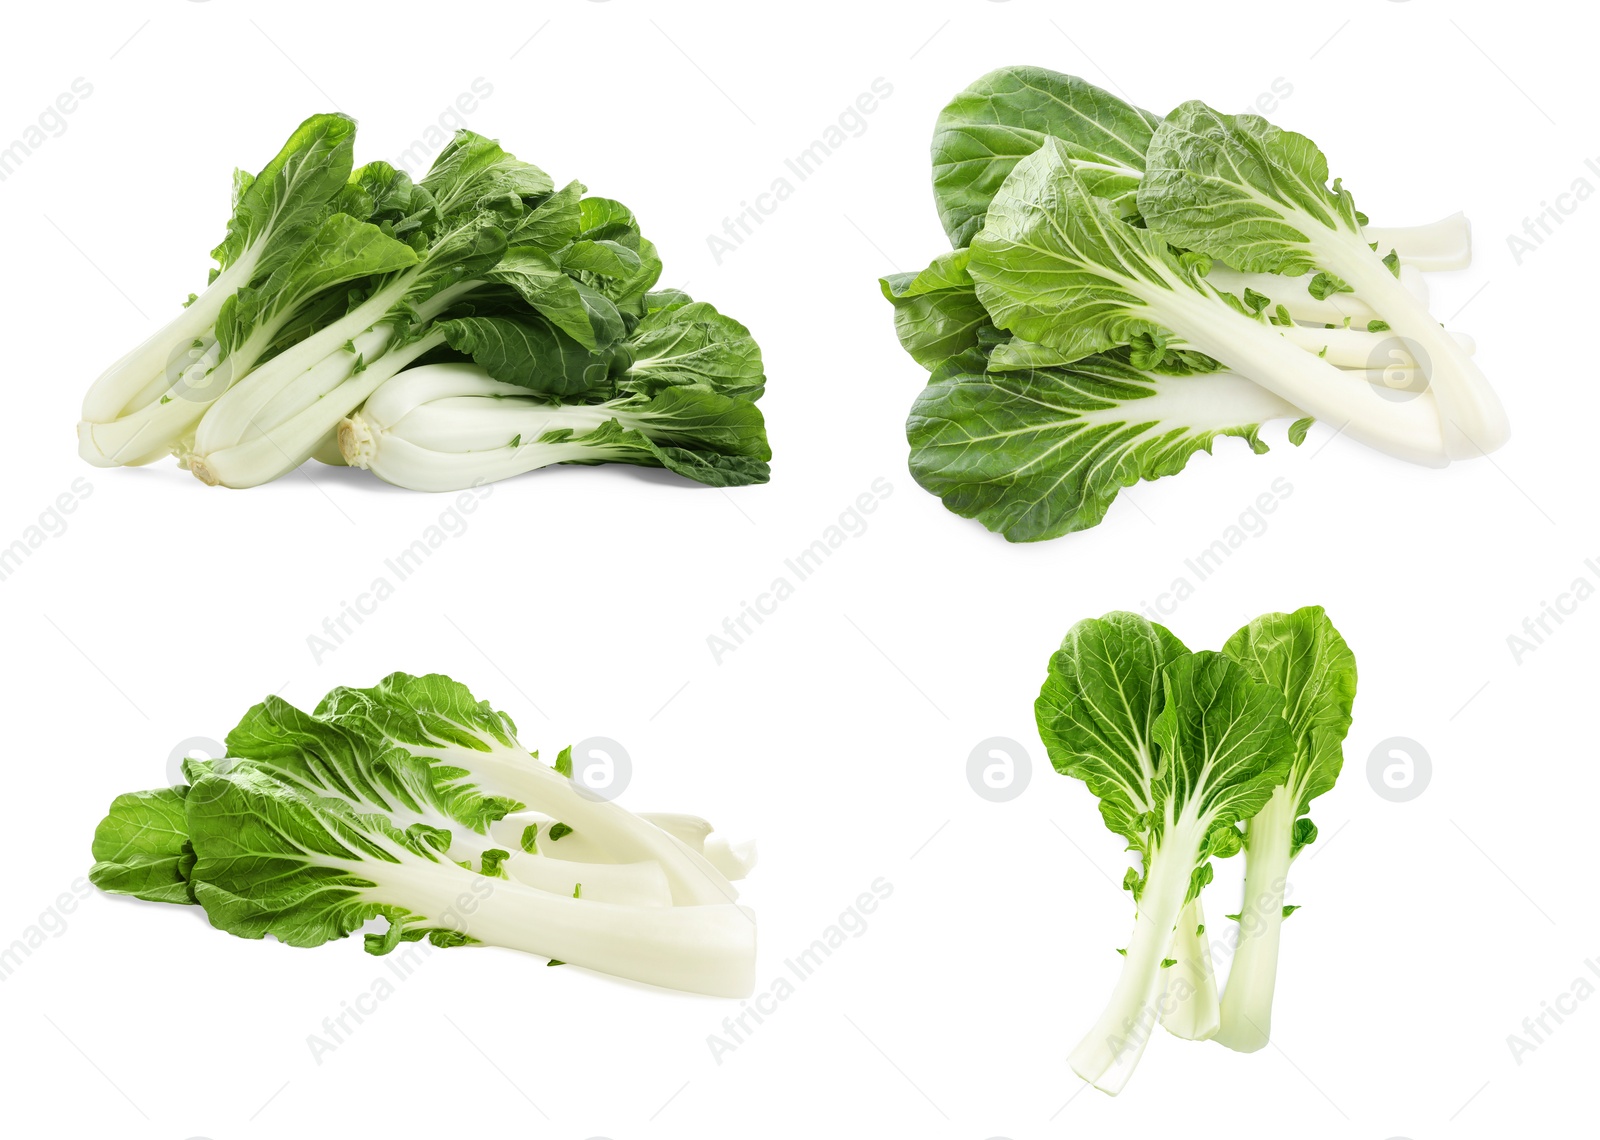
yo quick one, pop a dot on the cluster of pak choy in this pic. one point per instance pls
(412, 806)
(442, 333)
(1124, 289)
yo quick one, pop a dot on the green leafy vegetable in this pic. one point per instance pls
(334, 281)
(1054, 265)
(1248, 193)
(1208, 255)
(409, 802)
(1176, 745)
(1181, 748)
(142, 847)
(444, 427)
(130, 415)
(937, 311)
(1040, 453)
(1305, 661)
(1007, 115)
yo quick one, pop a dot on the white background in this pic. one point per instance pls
(581, 600)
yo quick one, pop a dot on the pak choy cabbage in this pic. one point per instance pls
(1194, 756)
(1124, 289)
(333, 280)
(410, 810)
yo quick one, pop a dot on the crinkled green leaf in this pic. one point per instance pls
(472, 168)
(273, 861)
(1055, 265)
(936, 311)
(421, 711)
(1040, 453)
(288, 199)
(602, 258)
(342, 250)
(1240, 189)
(1224, 744)
(1007, 115)
(691, 419)
(531, 354)
(323, 757)
(554, 223)
(1301, 656)
(1098, 709)
(692, 345)
(142, 847)
(555, 295)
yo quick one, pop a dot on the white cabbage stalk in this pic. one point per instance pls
(1442, 245)
(1473, 420)
(1407, 429)
(136, 383)
(734, 860)
(511, 772)
(445, 427)
(703, 949)
(1247, 1004)
(1108, 1053)
(1293, 293)
(272, 420)
(1193, 1009)
(1241, 189)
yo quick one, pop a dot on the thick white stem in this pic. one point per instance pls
(262, 458)
(1357, 348)
(1445, 244)
(1473, 420)
(447, 427)
(119, 387)
(513, 773)
(457, 407)
(694, 882)
(327, 374)
(230, 417)
(327, 450)
(633, 884)
(705, 949)
(734, 860)
(1408, 429)
(1247, 1000)
(1193, 1008)
(158, 424)
(1110, 1051)
(399, 461)
(629, 884)
(317, 381)
(142, 436)
(1294, 294)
